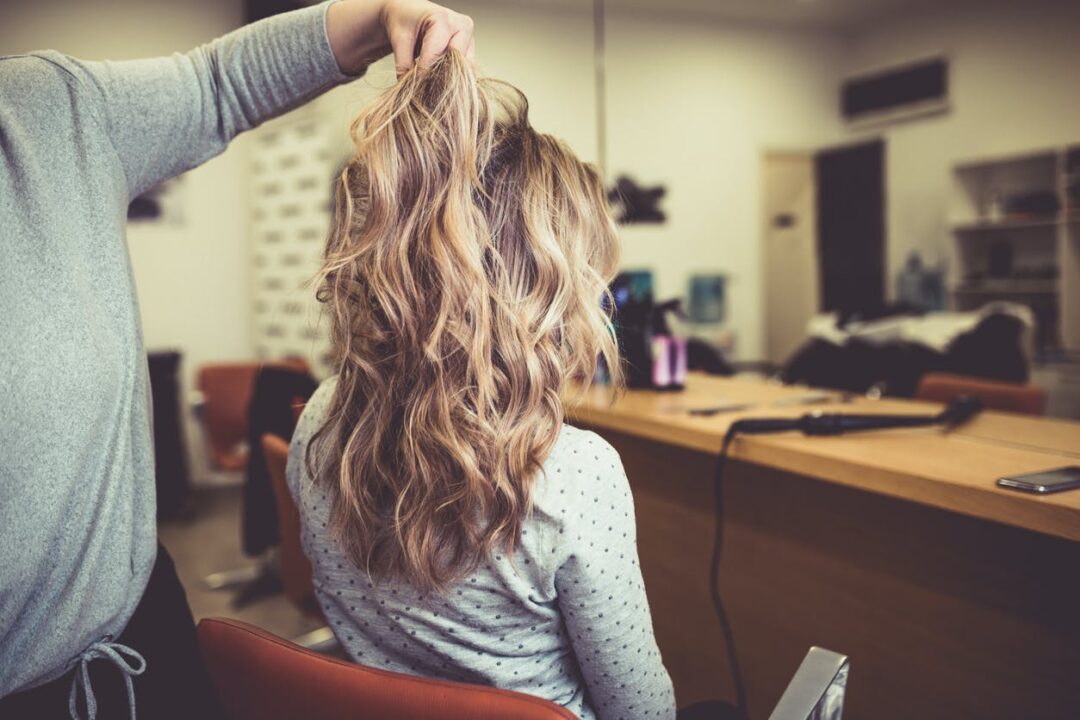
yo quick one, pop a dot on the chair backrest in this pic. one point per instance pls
(259, 676)
(226, 389)
(295, 568)
(995, 395)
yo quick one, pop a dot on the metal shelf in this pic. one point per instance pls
(1009, 287)
(978, 226)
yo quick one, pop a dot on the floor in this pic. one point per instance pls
(210, 542)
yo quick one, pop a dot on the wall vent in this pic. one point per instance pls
(897, 93)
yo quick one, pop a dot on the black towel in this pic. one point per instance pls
(170, 455)
(277, 390)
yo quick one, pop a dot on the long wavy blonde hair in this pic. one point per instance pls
(463, 279)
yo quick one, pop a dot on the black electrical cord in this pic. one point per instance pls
(714, 575)
(955, 413)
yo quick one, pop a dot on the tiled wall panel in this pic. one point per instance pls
(292, 170)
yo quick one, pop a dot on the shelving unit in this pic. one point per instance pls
(986, 226)
(1009, 287)
(1031, 258)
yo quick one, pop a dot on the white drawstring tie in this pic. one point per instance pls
(131, 665)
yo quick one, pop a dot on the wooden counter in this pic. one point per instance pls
(953, 471)
(954, 598)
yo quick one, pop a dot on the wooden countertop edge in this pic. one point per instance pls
(987, 504)
(704, 441)
(991, 504)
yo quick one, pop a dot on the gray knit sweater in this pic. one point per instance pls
(565, 618)
(78, 140)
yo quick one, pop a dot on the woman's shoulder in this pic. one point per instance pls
(326, 388)
(583, 498)
(582, 467)
(311, 419)
(578, 446)
(316, 408)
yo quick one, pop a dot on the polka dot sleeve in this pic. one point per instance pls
(602, 595)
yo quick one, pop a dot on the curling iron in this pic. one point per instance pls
(955, 413)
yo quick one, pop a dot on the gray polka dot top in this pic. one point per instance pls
(565, 619)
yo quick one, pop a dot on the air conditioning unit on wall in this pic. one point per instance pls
(897, 93)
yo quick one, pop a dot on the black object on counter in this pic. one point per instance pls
(643, 331)
(991, 350)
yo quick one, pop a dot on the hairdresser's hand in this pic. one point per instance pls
(416, 31)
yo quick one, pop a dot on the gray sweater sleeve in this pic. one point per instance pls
(167, 115)
(603, 603)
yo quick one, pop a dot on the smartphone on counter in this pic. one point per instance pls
(1046, 482)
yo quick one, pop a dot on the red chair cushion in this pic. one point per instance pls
(295, 568)
(259, 676)
(995, 395)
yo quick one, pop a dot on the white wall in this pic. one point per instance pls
(547, 52)
(693, 103)
(192, 279)
(544, 50)
(1013, 88)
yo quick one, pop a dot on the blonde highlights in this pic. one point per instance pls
(463, 281)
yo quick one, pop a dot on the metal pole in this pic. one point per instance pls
(601, 86)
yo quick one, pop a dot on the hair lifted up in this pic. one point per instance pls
(463, 280)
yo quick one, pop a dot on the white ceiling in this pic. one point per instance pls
(824, 14)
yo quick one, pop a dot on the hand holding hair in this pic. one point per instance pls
(416, 31)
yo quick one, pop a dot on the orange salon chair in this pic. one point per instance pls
(221, 405)
(259, 676)
(222, 408)
(294, 565)
(994, 394)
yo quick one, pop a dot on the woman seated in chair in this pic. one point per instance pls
(457, 527)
